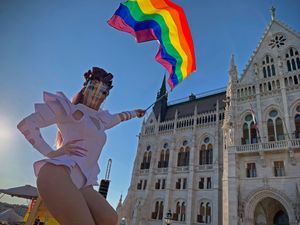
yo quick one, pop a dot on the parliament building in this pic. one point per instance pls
(229, 157)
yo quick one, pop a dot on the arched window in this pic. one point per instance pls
(146, 159)
(208, 214)
(249, 130)
(268, 66)
(155, 213)
(143, 164)
(297, 122)
(177, 212)
(183, 155)
(182, 212)
(275, 127)
(202, 155)
(201, 215)
(209, 154)
(205, 214)
(206, 152)
(161, 211)
(167, 156)
(292, 59)
(164, 157)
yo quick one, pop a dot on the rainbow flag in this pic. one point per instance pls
(164, 21)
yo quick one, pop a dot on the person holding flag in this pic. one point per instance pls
(65, 178)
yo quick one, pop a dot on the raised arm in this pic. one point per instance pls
(111, 120)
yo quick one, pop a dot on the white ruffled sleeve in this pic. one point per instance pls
(56, 108)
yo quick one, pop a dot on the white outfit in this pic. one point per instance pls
(57, 109)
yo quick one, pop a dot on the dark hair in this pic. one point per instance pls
(95, 74)
(98, 74)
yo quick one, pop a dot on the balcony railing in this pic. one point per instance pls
(269, 146)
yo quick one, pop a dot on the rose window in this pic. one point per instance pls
(277, 41)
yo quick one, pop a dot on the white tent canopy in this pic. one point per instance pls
(27, 191)
(10, 216)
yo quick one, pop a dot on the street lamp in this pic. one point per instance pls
(168, 218)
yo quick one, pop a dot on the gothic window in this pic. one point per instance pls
(183, 155)
(208, 183)
(208, 214)
(268, 66)
(146, 159)
(161, 210)
(277, 41)
(177, 212)
(182, 212)
(275, 127)
(139, 185)
(164, 157)
(209, 154)
(251, 170)
(178, 184)
(201, 183)
(279, 169)
(297, 122)
(292, 59)
(145, 184)
(184, 183)
(200, 216)
(155, 213)
(157, 184)
(163, 186)
(143, 164)
(158, 211)
(202, 155)
(181, 183)
(206, 153)
(205, 214)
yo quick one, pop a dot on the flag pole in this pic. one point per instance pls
(157, 100)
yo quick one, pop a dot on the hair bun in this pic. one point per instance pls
(99, 74)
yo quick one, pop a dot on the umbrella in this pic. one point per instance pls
(27, 191)
(9, 215)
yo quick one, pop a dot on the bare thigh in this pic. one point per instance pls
(61, 197)
(101, 210)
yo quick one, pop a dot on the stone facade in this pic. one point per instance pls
(231, 157)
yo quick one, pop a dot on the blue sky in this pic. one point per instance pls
(48, 45)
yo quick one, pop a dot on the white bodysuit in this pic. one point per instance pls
(57, 109)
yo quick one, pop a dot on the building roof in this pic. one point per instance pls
(204, 104)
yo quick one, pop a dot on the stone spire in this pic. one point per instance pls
(233, 78)
(120, 204)
(161, 104)
(231, 98)
(232, 70)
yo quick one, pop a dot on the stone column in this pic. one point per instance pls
(190, 204)
(169, 181)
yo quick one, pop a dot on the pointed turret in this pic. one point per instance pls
(233, 78)
(120, 204)
(161, 104)
(233, 71)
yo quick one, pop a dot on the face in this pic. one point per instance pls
(95, 93)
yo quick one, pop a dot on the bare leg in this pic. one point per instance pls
(101, 210)
(61, 197)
